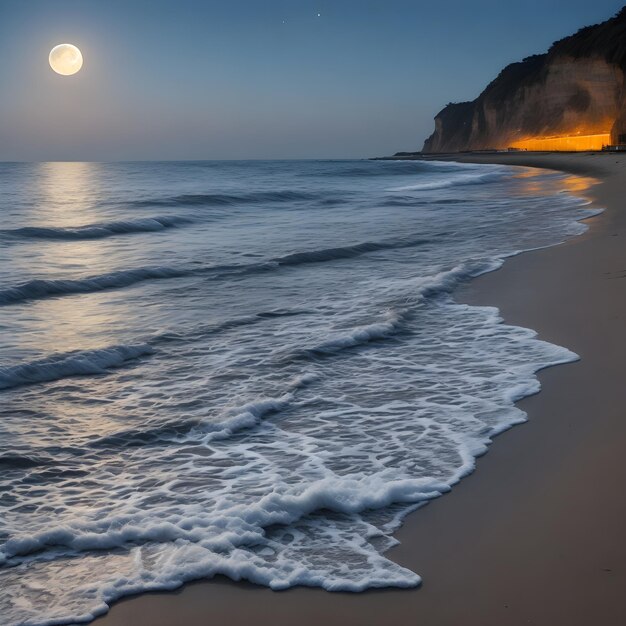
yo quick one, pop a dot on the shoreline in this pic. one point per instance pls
(534, 534)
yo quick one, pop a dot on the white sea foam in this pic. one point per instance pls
(276, 536)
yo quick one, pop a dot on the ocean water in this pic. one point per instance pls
(253, 369)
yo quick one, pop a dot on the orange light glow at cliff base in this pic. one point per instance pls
(570, 143)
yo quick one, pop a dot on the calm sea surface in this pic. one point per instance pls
(247, 368)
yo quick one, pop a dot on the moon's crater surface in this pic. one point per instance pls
(65, 59)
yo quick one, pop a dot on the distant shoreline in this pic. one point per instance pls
(488, 156)
(535, 535)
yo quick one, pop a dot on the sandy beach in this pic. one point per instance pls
(536, 534)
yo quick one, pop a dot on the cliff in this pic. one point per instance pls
(572, 97)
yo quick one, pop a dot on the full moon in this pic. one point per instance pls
(65, 59)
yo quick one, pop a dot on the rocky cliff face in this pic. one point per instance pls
(576, 90)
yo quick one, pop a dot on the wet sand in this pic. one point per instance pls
(537, 534)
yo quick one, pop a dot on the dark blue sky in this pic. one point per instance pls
(202, 79)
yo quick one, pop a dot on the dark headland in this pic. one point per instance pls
(572, 98)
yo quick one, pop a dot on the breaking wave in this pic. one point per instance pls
(473, 178)
(78, 363)
(225, 199)
(95, 231)
(43, 288)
